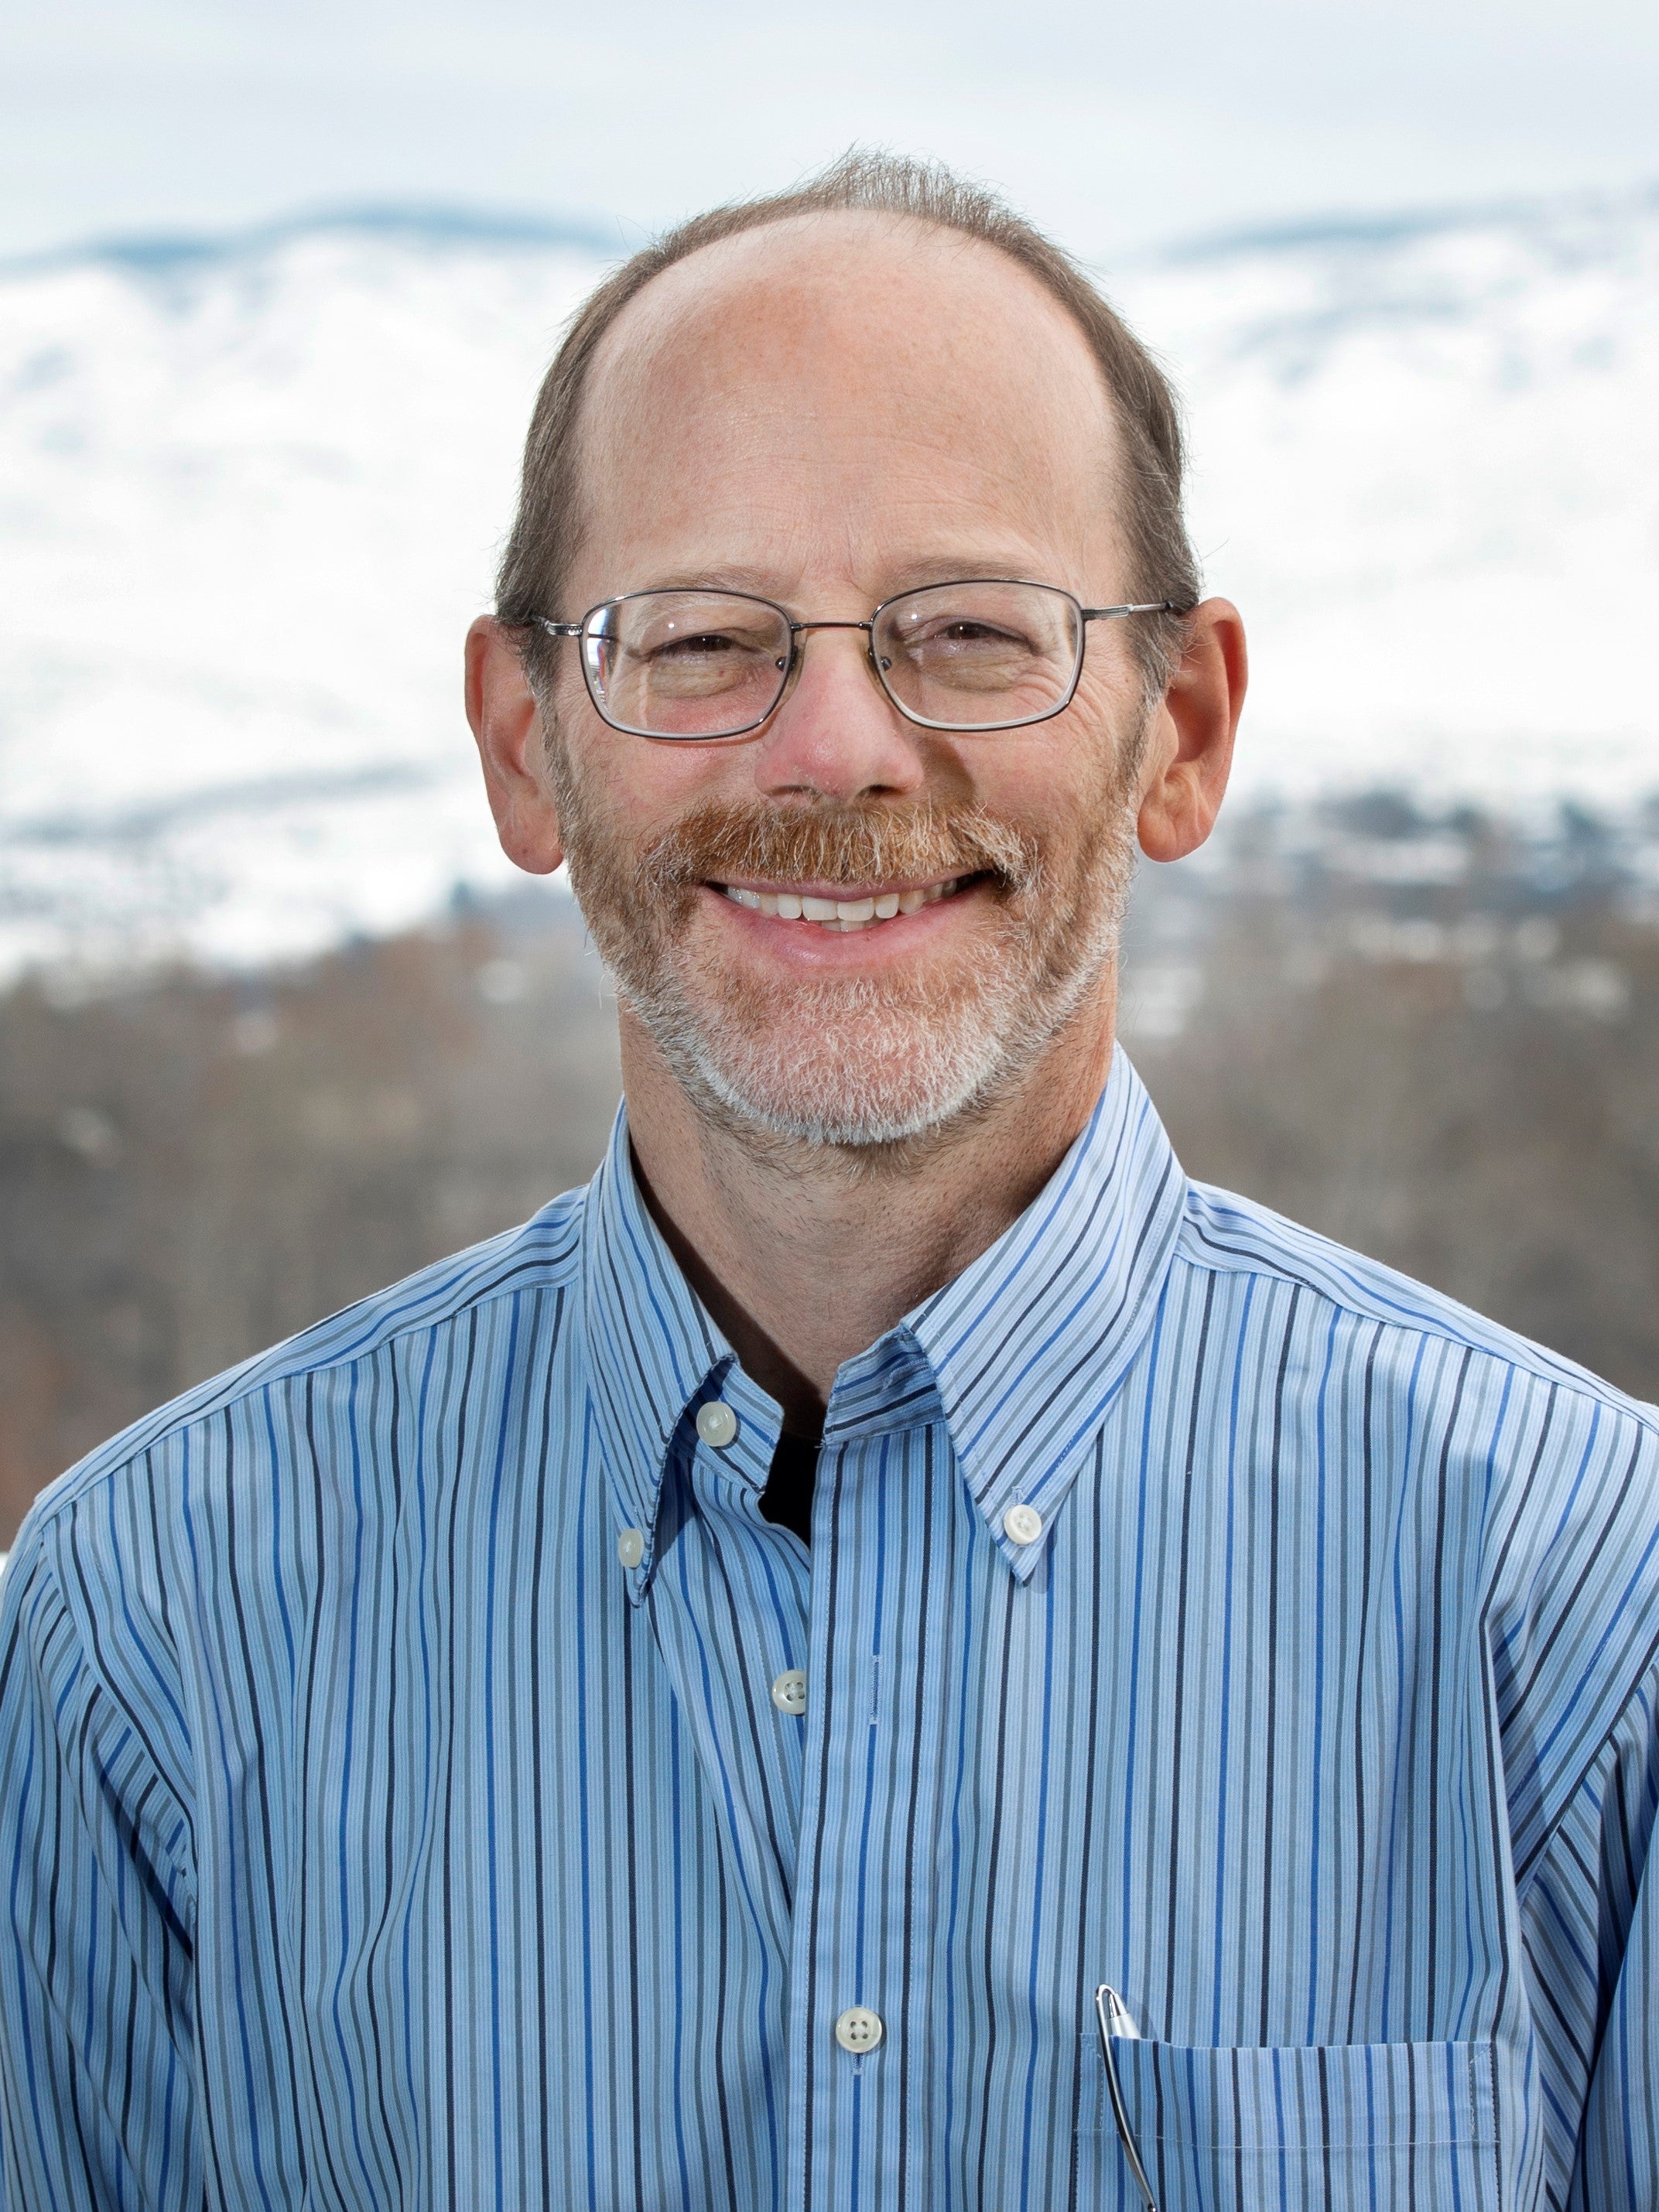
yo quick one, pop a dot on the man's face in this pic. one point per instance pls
(826, 413)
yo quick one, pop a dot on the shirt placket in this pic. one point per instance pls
(727, 1604)
(868, 1820)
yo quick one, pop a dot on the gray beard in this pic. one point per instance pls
(880, 1073)
(867, 1065)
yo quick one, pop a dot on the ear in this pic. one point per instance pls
(1190, 752)
(505, 722)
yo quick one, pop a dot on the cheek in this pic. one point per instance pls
(624, 794)
(1104, 734)
(1051, 782)
(1108, 705)
(623, 783)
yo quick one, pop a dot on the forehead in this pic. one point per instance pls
(788, 377)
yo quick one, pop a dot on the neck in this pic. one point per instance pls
(805, 1255)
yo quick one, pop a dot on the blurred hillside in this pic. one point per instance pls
(190, 1169)
(1434, 1036)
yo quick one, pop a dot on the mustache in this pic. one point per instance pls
(851, 846)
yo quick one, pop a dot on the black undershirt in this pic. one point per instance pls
(787, 1499)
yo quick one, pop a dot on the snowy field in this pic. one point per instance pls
(250, 497)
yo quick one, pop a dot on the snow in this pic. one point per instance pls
(250, 497)
(1431, 465)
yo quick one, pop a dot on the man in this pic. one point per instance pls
(689, 1704)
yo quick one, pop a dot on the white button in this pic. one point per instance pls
(630, 1547)
(716, 1423)
(1023, 1524)
(789, 1691)
(858, 2028)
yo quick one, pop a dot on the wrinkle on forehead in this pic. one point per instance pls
(853, 343)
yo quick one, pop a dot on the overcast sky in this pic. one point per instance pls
(1119, 124)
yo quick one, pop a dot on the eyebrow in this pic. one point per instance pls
(713, 577)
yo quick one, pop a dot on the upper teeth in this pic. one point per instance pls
(838, 913)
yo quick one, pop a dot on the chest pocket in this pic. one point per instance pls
(1327, 2129)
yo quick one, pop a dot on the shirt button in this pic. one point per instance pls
(858, 2029)
(717, 1423)
(1022, 1523)
(789, 1691)
(630, 1547)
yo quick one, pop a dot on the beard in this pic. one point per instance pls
(864, 1063)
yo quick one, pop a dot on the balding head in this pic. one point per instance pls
(822, 263)
(892, 396)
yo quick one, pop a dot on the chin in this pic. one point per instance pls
(852, 1069)
(840, 1105)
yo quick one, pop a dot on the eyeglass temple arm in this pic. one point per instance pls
(1114, 2014)
(1145, 607)
(557, 628)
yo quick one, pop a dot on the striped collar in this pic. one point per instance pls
(1020, 1355)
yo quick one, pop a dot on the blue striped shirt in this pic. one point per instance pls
(373, 1835)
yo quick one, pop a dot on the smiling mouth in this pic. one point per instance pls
(863, 911)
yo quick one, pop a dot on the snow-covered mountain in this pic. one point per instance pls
(251, 494)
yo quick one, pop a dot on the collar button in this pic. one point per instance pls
(717, 1424)
(1021, 1524)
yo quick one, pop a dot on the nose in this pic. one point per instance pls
(837, 735)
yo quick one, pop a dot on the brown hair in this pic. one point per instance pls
(1162, 565)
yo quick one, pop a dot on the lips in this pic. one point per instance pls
(864, 910)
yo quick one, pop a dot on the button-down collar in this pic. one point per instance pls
(1027, 1347)
(1021, 1354)
(654, 1353)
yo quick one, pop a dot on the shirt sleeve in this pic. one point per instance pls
(97, 2070)
(1590, 1914)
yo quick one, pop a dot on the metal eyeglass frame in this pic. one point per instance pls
(799, 629)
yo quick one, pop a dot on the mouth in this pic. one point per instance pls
(844, 911)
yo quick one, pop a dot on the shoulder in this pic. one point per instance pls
(1226, 1234)
(216, 1524)
(1539, 1478)
(541, 1254)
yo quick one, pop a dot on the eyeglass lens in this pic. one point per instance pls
(702, 665)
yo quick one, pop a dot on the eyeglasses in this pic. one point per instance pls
(990, 652)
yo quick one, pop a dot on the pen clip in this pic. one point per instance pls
(1117, 2023)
